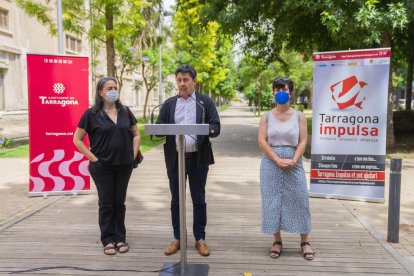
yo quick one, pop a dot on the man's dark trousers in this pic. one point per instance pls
(197, 181)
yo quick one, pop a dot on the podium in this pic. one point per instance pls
(183, 268)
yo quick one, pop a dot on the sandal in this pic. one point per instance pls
(309, 256)
(109, 249)
(122, 247)
(274, 254)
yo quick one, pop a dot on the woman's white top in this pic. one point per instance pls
(281, 133)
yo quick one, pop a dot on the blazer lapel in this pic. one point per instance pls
(172, 112)
(199, 111)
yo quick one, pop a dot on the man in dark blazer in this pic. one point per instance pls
(187, 108)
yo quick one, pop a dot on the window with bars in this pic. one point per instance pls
(4, 19)
(73, 44)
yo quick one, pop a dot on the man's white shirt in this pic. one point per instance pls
(185, 113)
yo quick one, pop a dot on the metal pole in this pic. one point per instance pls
(394, 201)
(181, 189)
(92, 63)
(60, 27)
(160, 96)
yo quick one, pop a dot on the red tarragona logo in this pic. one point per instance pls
(58, 88)
(347, 92)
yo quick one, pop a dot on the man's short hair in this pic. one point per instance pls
(185, 68)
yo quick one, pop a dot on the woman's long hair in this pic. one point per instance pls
(99, 101)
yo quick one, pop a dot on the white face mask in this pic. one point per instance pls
(111, 96)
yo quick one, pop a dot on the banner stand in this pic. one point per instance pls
(58, 95)
(68, 193)
(349, 124)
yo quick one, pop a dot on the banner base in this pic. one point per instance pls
(51, 193)
(345, 197)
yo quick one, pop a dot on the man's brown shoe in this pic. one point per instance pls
(172, 248)
(202, 248)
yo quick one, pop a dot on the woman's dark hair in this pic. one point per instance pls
(185, 68)
(99, 101)
(281, 83)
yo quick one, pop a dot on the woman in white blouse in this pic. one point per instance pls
(285, 205)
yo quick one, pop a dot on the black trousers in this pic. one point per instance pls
(111, 183)
(197, 180)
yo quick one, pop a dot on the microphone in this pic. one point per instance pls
(152, 112)
(203, 114)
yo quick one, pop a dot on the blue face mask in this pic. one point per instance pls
(282, 97)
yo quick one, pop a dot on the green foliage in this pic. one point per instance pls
(265, 28)
(40, 12)
(23, 150)
(224, 107)
(299, 107)
(267, 98)
(146, 143)
(366, 19)
(269, 27)
(6, 143)
(202, 45)
(251, 91)
(255, 78)
(309, 124)
(194, 42)
(150, 71)
(227, 89)
(134, 25)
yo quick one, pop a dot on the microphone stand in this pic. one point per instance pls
(203, 114)
(152, 114)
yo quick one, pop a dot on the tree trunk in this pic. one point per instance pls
(310, 95)
(294, 99)
(410, 66)
(110, 47)
(120, 77)
(386, 43)
(146, 88)
(409, 92)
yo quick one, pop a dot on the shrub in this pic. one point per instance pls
(6, 143)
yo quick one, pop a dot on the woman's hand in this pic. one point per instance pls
(285, 163)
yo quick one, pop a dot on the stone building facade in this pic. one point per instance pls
(21, 34)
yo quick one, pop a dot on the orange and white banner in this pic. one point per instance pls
(349, 124)
(57, 96)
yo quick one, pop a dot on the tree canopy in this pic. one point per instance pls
(267, 28)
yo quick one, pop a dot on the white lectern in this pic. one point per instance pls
(180, 130)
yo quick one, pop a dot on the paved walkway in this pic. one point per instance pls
(60, 231)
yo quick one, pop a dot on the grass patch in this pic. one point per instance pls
(19, 151)
(23, 150)
(146, 143)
